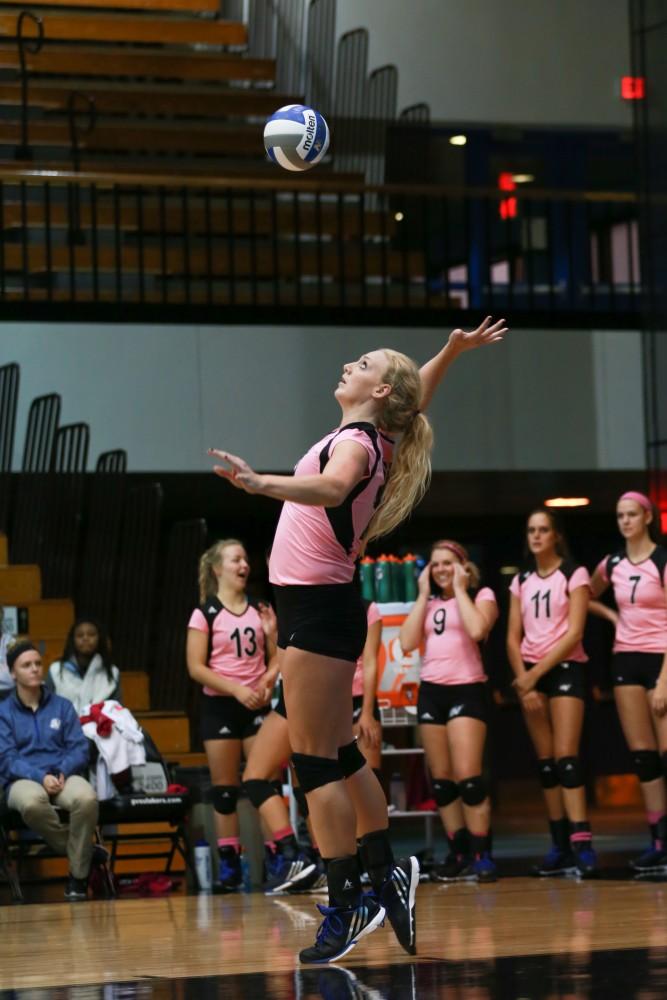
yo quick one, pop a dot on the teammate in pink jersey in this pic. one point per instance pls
(230, 641)
(549, 604)
(637, 574)
(334, 501)
(452, 616)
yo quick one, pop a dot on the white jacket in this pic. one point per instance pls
(120, 750)
(65, 679)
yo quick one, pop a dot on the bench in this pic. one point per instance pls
(122, 810)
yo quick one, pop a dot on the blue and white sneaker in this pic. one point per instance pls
(585, 859)
(480, 868)
(283, 873)
(230, 875)
(342, 928)
(397, 895)
(653, 859)
(556, 862)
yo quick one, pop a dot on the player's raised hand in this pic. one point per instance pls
(238, 471)
(487, 332)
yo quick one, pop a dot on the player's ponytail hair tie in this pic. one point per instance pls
(639, 498)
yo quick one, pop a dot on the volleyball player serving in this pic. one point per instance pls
(344, 492)
(549, 604)
(639, 665)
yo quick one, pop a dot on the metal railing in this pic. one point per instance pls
(156, 246)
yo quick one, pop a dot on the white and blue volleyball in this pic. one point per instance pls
(296, 137)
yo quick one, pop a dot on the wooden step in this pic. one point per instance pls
(216, 217)
(4, 550)
(188, 759)
(193, 6)
(20, 584)
(131, 136)
(51, 617)
(136, 690)
(188, 100)
(170, 730)
(51, 648)
(140, 29)
(93, 60)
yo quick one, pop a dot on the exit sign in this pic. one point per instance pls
(633, 88)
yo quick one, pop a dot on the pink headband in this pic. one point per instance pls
(639, 498)
(456, 549)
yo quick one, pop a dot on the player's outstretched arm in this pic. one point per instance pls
(459, 341)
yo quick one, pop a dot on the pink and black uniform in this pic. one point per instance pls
(452, 681)
(314, 552)
(545, 609)
(641, 632)
(372, 616)
(236, 651)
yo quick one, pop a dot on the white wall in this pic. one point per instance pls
(542, 400)
(542, 62)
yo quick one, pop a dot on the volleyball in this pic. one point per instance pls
(296, 137)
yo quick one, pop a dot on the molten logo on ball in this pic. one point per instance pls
(296, 137)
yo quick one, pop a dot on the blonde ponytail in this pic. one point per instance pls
(410, 471)
(208, 581)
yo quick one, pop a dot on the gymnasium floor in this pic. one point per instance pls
(519, 939)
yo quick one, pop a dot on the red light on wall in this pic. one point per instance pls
(506, 181)
(633, 88)
(509, 208)
(663, 522)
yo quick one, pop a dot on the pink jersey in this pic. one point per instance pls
(372, 616)
(639, 590)
(450, 655)
(545, 609)
(319, 545)
(237, 652)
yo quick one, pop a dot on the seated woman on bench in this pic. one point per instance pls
(42, 754)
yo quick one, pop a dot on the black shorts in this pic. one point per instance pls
(642, 669)
(280, 707)
(565, 680)
(358, 704)
(224, 718)
(326, 619)
(439, 704)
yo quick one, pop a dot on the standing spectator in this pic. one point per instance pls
(42, 754)
(85, 674)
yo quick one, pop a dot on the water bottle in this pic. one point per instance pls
(245, 874)
(382, 580)
(410, 577)
(203, 865)
(367, 578)
(397, 792)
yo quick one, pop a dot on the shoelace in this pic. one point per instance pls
(332, 922)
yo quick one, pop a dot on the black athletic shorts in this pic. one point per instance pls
(636, 668)
(358, 704)
(565, 680)
(224, 718)
(327, 619)
(438, 704)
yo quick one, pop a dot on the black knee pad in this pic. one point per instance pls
(224, 799)
(473, 790)
(313, 772)
(301, 801)
(350, 759)
(647, 764)
(445, 792)
(259, 790)
(277, 785)
(570, 773)
(548, 772)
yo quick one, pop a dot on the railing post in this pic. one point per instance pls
(75, 234)
(26, 46)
